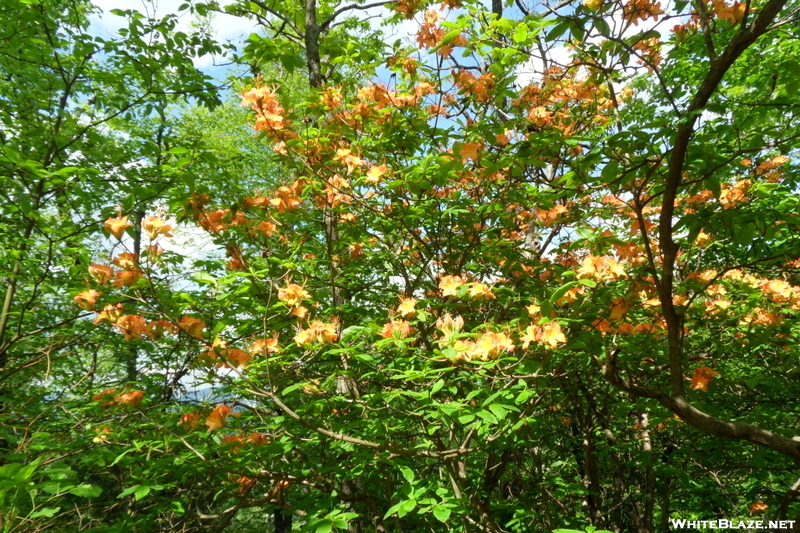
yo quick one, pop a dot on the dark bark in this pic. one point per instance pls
(311, 38)
(283, 521)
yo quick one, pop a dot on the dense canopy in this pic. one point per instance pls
(520, 267)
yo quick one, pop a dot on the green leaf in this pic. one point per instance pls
(48, 512)
(324, 526)
(86, 491)
(441, 513)
(561, 291)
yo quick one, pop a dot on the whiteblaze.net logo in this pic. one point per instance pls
(731, 524)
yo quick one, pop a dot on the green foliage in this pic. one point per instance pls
(458, 300)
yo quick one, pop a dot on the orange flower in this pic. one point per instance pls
(127, 278)
(758, 507)
(154, 252)
(547, 334)
(449, 284)
(771, 164)
(131, 398)
(267, 228)
(219, 417)
(258, 439)
(155, 226)
(480, 291)
(102, 274)
(234, 441)
(292, 294)
(245, 483)
(189, 421)
(601, 269)
(490, 344)
(548, 216)
(702, 377)
(399, 329)
(237, 357)
(300, 312)
(348, 158)
(110, 312)
(192, 326)
(449, 325)
(470, 151)
(126, 260)
(102, 435)
(157, 328)
(117, 226)
(618, 309)
(761, 317)
(375, 173)
(407, 308)
(132, 326)
(317, 331)
(266, 346)
(86, 299)
(106, 398)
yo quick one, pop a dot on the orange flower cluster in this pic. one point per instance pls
(449, 285)
(601, 269)
(293, 294)
(333, 194)
(287, 197)
(635, 10)
(109, 397)
(481, 87)
(269, 113)
(192, 326)
(87, 299)
(135, 326)
(219, 417)
(399, 329)
(117, 226)
(702, 377)
(732, 195)
(317, 332)
(561, 95)
(549, 334)
(430, 33)
(407, 7)
(650, 52)
(547, 217)
(155, 226)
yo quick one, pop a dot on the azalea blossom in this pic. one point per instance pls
(111, 312)
(407, 308)
(219, 416)
(548, 334)
(400, 329)
(192, 326)
(86, 299)
(116, 226)
(126, 260)
(266, 346)
(450, 284)
(102, 274)
(601, 269)
(319, 332)
(127, 278)
(490, 345)
(702, 377)
(155, 226)
(292, 294)
(189, 421)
